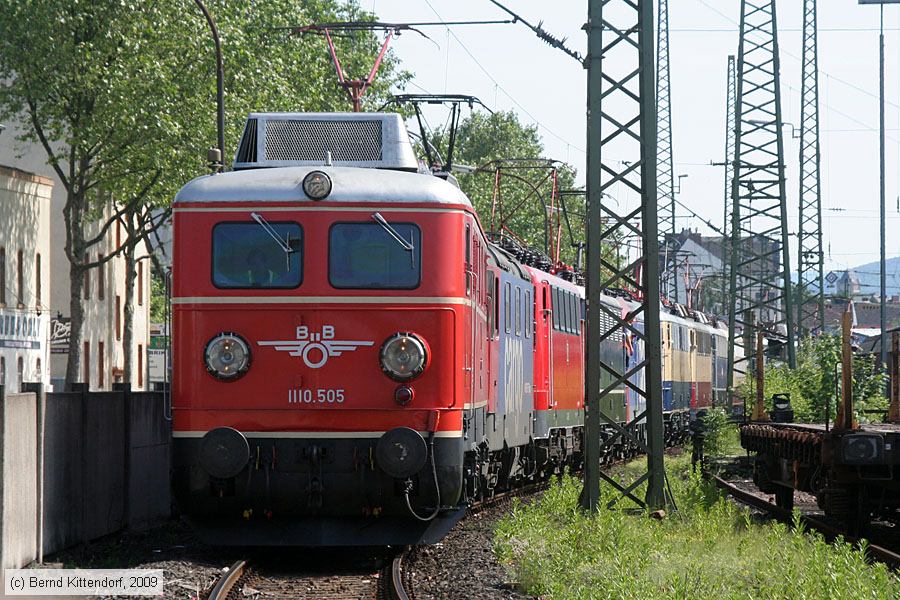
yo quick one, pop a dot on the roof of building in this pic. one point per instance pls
(15, 173)
(349, 184)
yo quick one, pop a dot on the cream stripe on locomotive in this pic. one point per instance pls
(315, 434)
(450, 300)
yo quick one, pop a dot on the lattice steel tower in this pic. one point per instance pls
(622, 123)
(730, 95)
(665, 168)
(810, 258)
(760, 286)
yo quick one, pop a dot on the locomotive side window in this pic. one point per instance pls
(496, 306)
(573, 306)
(491, 317)
(367, 256)
(556, 307)
(246, 255)
(529, 311)
(506, 292)
(518, 311)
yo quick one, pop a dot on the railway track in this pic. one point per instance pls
(252, 578)
(830, 531)
(259, 578)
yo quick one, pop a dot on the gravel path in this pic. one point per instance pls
(463, 566)
(190, 567)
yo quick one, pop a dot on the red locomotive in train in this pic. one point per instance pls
(355, 359)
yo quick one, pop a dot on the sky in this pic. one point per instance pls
(509, 68)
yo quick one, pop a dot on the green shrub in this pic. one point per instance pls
(722, 435)
(812, 385)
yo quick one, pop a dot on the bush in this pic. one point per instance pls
(721, 434)
(812, 385)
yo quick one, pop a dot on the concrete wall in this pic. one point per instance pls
(101, 465)
(19, 529)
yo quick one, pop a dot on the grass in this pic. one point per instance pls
(709, 548)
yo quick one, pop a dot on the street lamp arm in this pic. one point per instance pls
(220, 81)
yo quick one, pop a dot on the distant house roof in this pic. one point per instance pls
(24, 175)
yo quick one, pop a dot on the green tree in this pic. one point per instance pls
(813, 384)
(525, 187)
(120, 95)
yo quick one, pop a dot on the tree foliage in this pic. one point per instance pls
(525, 187)
(813, 384)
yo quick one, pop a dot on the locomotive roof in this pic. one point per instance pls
(349, 184)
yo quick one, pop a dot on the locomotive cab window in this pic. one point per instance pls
(372, 256)
(249, 255)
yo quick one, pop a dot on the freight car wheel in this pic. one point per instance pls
(761, 476)
(784, 497)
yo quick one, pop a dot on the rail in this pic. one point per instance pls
(875, 552)
(225, 583)
(397, 591)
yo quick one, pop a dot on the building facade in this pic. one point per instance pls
(24, 277)
(102, 362)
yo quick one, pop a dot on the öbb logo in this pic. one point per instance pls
(315, 348)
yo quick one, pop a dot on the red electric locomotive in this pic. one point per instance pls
(328, 339)
(354, 360)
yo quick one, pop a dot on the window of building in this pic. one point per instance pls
(101, 365)
(38, 295)
(20, 369)
(140, 365)
(118, 318)
(86, 364)
(101, 280)
(367, 256)
(2, 276)
(20, 278)
(140, 283)
(247, 255)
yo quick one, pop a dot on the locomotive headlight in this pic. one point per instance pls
(317, 185)
(227, 356)
(403, 356)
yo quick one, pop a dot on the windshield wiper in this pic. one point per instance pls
(393, 232)
(283, 244)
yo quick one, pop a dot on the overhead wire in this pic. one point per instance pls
(501, 88)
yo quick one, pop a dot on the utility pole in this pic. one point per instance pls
(882, 318)
(622, 111)
(759, 279)
(882, 203)
(665, 168)
(810, 257)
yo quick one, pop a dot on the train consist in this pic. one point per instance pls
(355, 359)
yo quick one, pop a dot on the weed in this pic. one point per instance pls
(710, 548)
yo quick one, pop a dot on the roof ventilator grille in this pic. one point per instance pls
(308, 140)
(247, 150)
